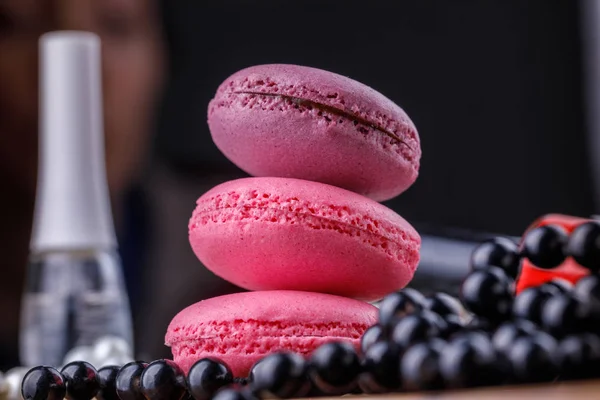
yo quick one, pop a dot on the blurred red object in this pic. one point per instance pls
(569, 270)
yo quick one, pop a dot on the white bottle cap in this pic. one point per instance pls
(72, 205)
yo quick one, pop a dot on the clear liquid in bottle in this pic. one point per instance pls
(71, 300)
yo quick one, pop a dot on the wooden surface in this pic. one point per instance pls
(588, 390)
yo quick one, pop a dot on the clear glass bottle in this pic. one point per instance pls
(75, 292)
(72, 299)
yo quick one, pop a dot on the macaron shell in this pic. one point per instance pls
(350, 142)
(278, 233)
(241, 328)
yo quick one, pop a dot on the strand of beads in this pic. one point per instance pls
(488, 336)
(106, 351)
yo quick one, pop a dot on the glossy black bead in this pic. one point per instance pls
(578, 357)
(372, 335)
(416, 296)
(587, 291)
(81, 380)
(469, 361)
(550, 290)
(559, 285)
(488, 293)
(528, 304)
(419, 367)
(436, 344)
(506, 334)
(381, 368)
(499, 252)
(43, 383)
(206, 377)
(435, 319)
(234, 394)
(481, 338)
(128, 381)
(416, 328)
(107, 377)
(584, 245)
(282, 375)
(562, 315)
(444, 305)
(480, 324)
(545, 246)
(531, 358)
(453, 324)
(334, 368)
(397, 305)
(163, 380)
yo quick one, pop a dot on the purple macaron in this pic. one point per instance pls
(305, 123)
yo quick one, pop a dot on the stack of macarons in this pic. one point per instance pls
(306, 233)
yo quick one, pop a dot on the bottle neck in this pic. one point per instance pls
(72, 201)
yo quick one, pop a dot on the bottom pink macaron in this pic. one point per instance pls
(240, 329)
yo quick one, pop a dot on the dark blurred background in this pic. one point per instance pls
(494, 88)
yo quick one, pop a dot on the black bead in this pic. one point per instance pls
(206, 377)
(233, 394)
(469, 361)
(128, 381)
(578, 357)
(372, 335)
(499, 252)
(435, 319)
(81, 380)
(544, 246)
(397, 305)
(562, 315)
(444, 305)
(584, 245)
(587, 291)
(419, 367)
(531, 358)
(163, 380)
(416, 296)
(107, 377)
(528, 304)
(436, 344)
(550, 290)
(282, 375)
(43, 383)
(506, 334)
(480, 324)
(488, 293)
(416, 328)
(334, 368)
(453, 324)
(481, 338)
(559, 286)
(381, 368)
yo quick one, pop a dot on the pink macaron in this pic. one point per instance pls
(285, 233)
(239, 329)
(306, 123)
